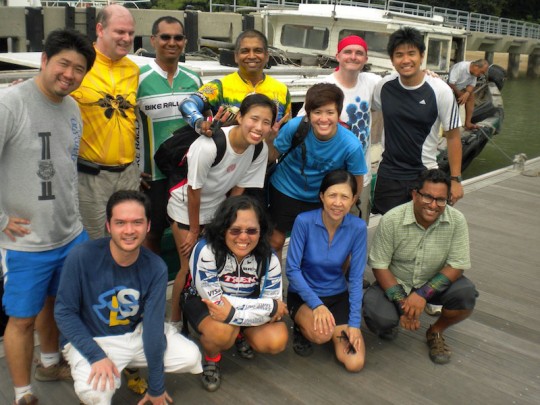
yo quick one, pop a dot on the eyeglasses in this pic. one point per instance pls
(248, 231)
(428, 199)
(167, 37)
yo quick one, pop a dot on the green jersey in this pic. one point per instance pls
(158, 115)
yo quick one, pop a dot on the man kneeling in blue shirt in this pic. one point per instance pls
(110, 309)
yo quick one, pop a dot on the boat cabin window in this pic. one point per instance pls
(437, 54)
(305, 36)
(376, 41)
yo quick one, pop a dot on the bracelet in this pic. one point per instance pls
(426, 291)
(436, 285)
(396, 293)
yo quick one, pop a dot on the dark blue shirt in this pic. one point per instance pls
(314, 265)
(97, 297)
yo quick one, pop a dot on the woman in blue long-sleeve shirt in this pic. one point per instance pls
(322, 303)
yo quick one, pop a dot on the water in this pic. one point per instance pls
(520, 131)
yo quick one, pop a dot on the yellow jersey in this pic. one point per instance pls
(107, 100)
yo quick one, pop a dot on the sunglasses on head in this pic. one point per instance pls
(167, 37)
(248, 231)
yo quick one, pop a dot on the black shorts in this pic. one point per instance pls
(337, 304)
(195, 310)
(185, 227)
(390, 193)
(159, 197)
(284, 209)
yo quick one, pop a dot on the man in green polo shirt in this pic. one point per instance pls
(418, 256)
(163, 84)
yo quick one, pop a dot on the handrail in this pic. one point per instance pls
(89, 3)
(475, 22)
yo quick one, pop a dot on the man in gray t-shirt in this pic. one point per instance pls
(40, 130)
(462, 80)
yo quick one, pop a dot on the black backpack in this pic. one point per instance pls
(171, 156)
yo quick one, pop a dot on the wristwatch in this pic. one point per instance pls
(459, 179)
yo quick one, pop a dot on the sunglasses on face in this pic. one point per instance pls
(167, 37)
(248, 231)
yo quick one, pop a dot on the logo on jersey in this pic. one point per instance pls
(117, 305)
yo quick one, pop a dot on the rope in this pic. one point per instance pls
(483, 132)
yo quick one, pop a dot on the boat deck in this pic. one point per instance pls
(496, 352)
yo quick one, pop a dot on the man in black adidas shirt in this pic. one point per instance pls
(414, 106)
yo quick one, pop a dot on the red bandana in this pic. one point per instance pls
(351, 40)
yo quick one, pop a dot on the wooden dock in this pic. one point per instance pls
(496, 352)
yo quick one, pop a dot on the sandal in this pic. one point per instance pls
(211, 375)
(244, 349)
(135, 382)
(439, 352)
(301, 345)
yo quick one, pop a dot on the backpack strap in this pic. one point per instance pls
(258, 150)
(298, 138)
(221, 144)
(301, 132)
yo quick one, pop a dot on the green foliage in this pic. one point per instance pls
(180, 4)
(528, 10)
(491, 7)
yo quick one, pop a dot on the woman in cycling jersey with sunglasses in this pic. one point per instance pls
(236, 286)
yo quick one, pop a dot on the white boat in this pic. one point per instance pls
(303, 44)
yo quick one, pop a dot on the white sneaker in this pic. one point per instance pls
(433, 310)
